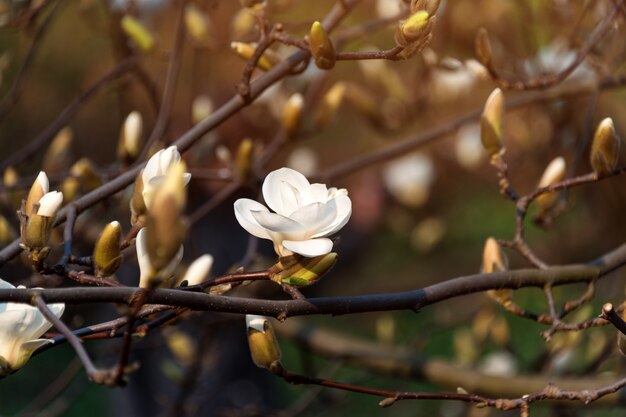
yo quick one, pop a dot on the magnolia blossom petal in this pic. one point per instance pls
(49, 204)
(42, 179)
(256, 322)
(318, 193)
(275, 194)
(199, 270)
(243, 213)
(343, 213)
(146, 271)
(26, 350)
(316, 216)
(309, 248)
(273, 222)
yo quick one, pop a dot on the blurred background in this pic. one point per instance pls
(418, 219)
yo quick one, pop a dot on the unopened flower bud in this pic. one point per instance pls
(245, 50)
(136, 31)
(85, 172)
(483, 47)
(245, 154)
(106, 254)
(10, 177)
(129, 144)
(262, 341)
(199, 270)
(413, 27)
(70, 188)
(37, 190)
(300, 271)
(165, 231)
(137, 203)
(58, 156)
(322, 47)
(491, 123)
(242, 24)
(554, 173)
(292, 116)
(197, 24)
(494, 260)
(605, 148)
(330, 104)
(36, 227)
(7, 234)
(201, 108)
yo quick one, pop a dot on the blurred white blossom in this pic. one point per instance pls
(409, 178)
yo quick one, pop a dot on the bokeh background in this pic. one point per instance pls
(417, 220)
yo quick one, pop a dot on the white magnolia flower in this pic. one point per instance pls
(155, 170)
(146, 270)
(50, 203)
(304, 214)
(20, 327)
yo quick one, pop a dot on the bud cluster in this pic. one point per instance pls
(37, 216)
(414, 33)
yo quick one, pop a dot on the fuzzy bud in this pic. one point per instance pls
(262, 341)
(413, 27)
(37, 190)
(605, 148)
(292, 116)
(491, 123)
(483, 47)
(494, 260)
(245, 50)
(106, 254)
(322, 47)
(165, 229)
(245, 154)
(555, 172)
(300, 271)
(58, 156)
(330, 104)
(136, 31)
(129, 144)
(196, 23)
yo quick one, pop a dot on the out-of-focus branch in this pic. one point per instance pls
(11, 97)
(405, 363)
(549, 80)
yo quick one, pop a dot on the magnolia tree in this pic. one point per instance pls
(402, 144)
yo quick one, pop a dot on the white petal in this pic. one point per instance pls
(273, 189)
(316, 193)
(152, 167)
(42, 179)
(146, 271)
(243, 213)
(186, 177)
(169, 158)
(6, 285)
(316, 216)
(273, 222)
(256, 322)
(309, 248)
(343, 213)
(49, 204)
(26, 350)
(199, 270)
